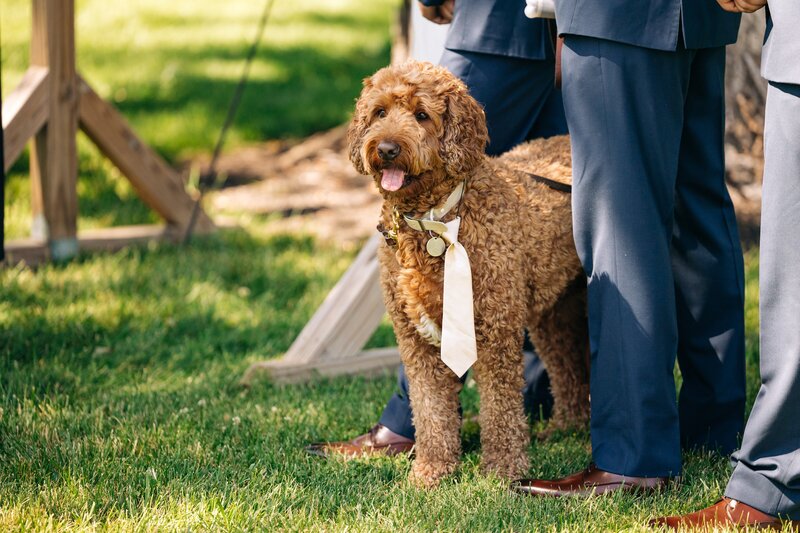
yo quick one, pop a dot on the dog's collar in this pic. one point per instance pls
(390, 235)
(430, 223)
(458, 346)
(437, 244)
(438, 213)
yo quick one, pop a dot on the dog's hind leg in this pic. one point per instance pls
(504, 427)
(561, 338)
(433, 389)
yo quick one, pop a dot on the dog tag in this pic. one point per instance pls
(435, 246)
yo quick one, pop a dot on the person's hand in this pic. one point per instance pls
(447, 9)
(442, 14)
(741, 6)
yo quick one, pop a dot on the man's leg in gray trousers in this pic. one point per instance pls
(767, 473)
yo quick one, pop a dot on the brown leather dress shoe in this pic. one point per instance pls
(378, 440)
(588, 482)
(724, 514)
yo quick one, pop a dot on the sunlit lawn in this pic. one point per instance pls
(119, 407)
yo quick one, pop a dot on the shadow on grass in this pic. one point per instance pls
(114, 314)
(310, 90)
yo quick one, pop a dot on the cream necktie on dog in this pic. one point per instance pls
(458, 347)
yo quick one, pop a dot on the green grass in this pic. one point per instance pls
(119, 404)
(119, 407)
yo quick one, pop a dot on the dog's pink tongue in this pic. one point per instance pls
(392, 179)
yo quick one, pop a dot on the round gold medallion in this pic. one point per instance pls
(435, 246)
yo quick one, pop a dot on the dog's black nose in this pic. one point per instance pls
(388, 150)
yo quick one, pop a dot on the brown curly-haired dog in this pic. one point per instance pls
(417, 131)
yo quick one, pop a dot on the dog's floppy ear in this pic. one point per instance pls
(465, 134)
(358, 127)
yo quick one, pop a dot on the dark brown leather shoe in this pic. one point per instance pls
(724, 514)
(588, 482)
(379, 440)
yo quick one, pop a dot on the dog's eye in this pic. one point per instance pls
(422, 115)
(380, 113)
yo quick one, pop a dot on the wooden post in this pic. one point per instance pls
(157, 184)
(54, 159)
(48, 105)
(24, 113)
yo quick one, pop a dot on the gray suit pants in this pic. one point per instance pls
(767, 472)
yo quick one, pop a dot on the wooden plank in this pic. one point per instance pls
(40, 55)
(36, 251)
(157, 183)
(367, 363)
(24, 112)
(38, 159)
(30, 251)
(54, 162)
(349, 315)
(110, 239)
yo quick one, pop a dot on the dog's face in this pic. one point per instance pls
(415, 125)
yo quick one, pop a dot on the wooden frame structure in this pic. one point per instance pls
(49, 105)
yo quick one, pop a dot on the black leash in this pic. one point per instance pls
(553, 184)
(206, 182)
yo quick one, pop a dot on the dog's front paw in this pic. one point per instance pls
(427, 475)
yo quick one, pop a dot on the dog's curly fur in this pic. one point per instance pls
(518, 234)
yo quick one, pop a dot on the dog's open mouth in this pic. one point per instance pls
(393, 179)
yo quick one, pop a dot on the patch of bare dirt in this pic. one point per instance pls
(313, 187)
